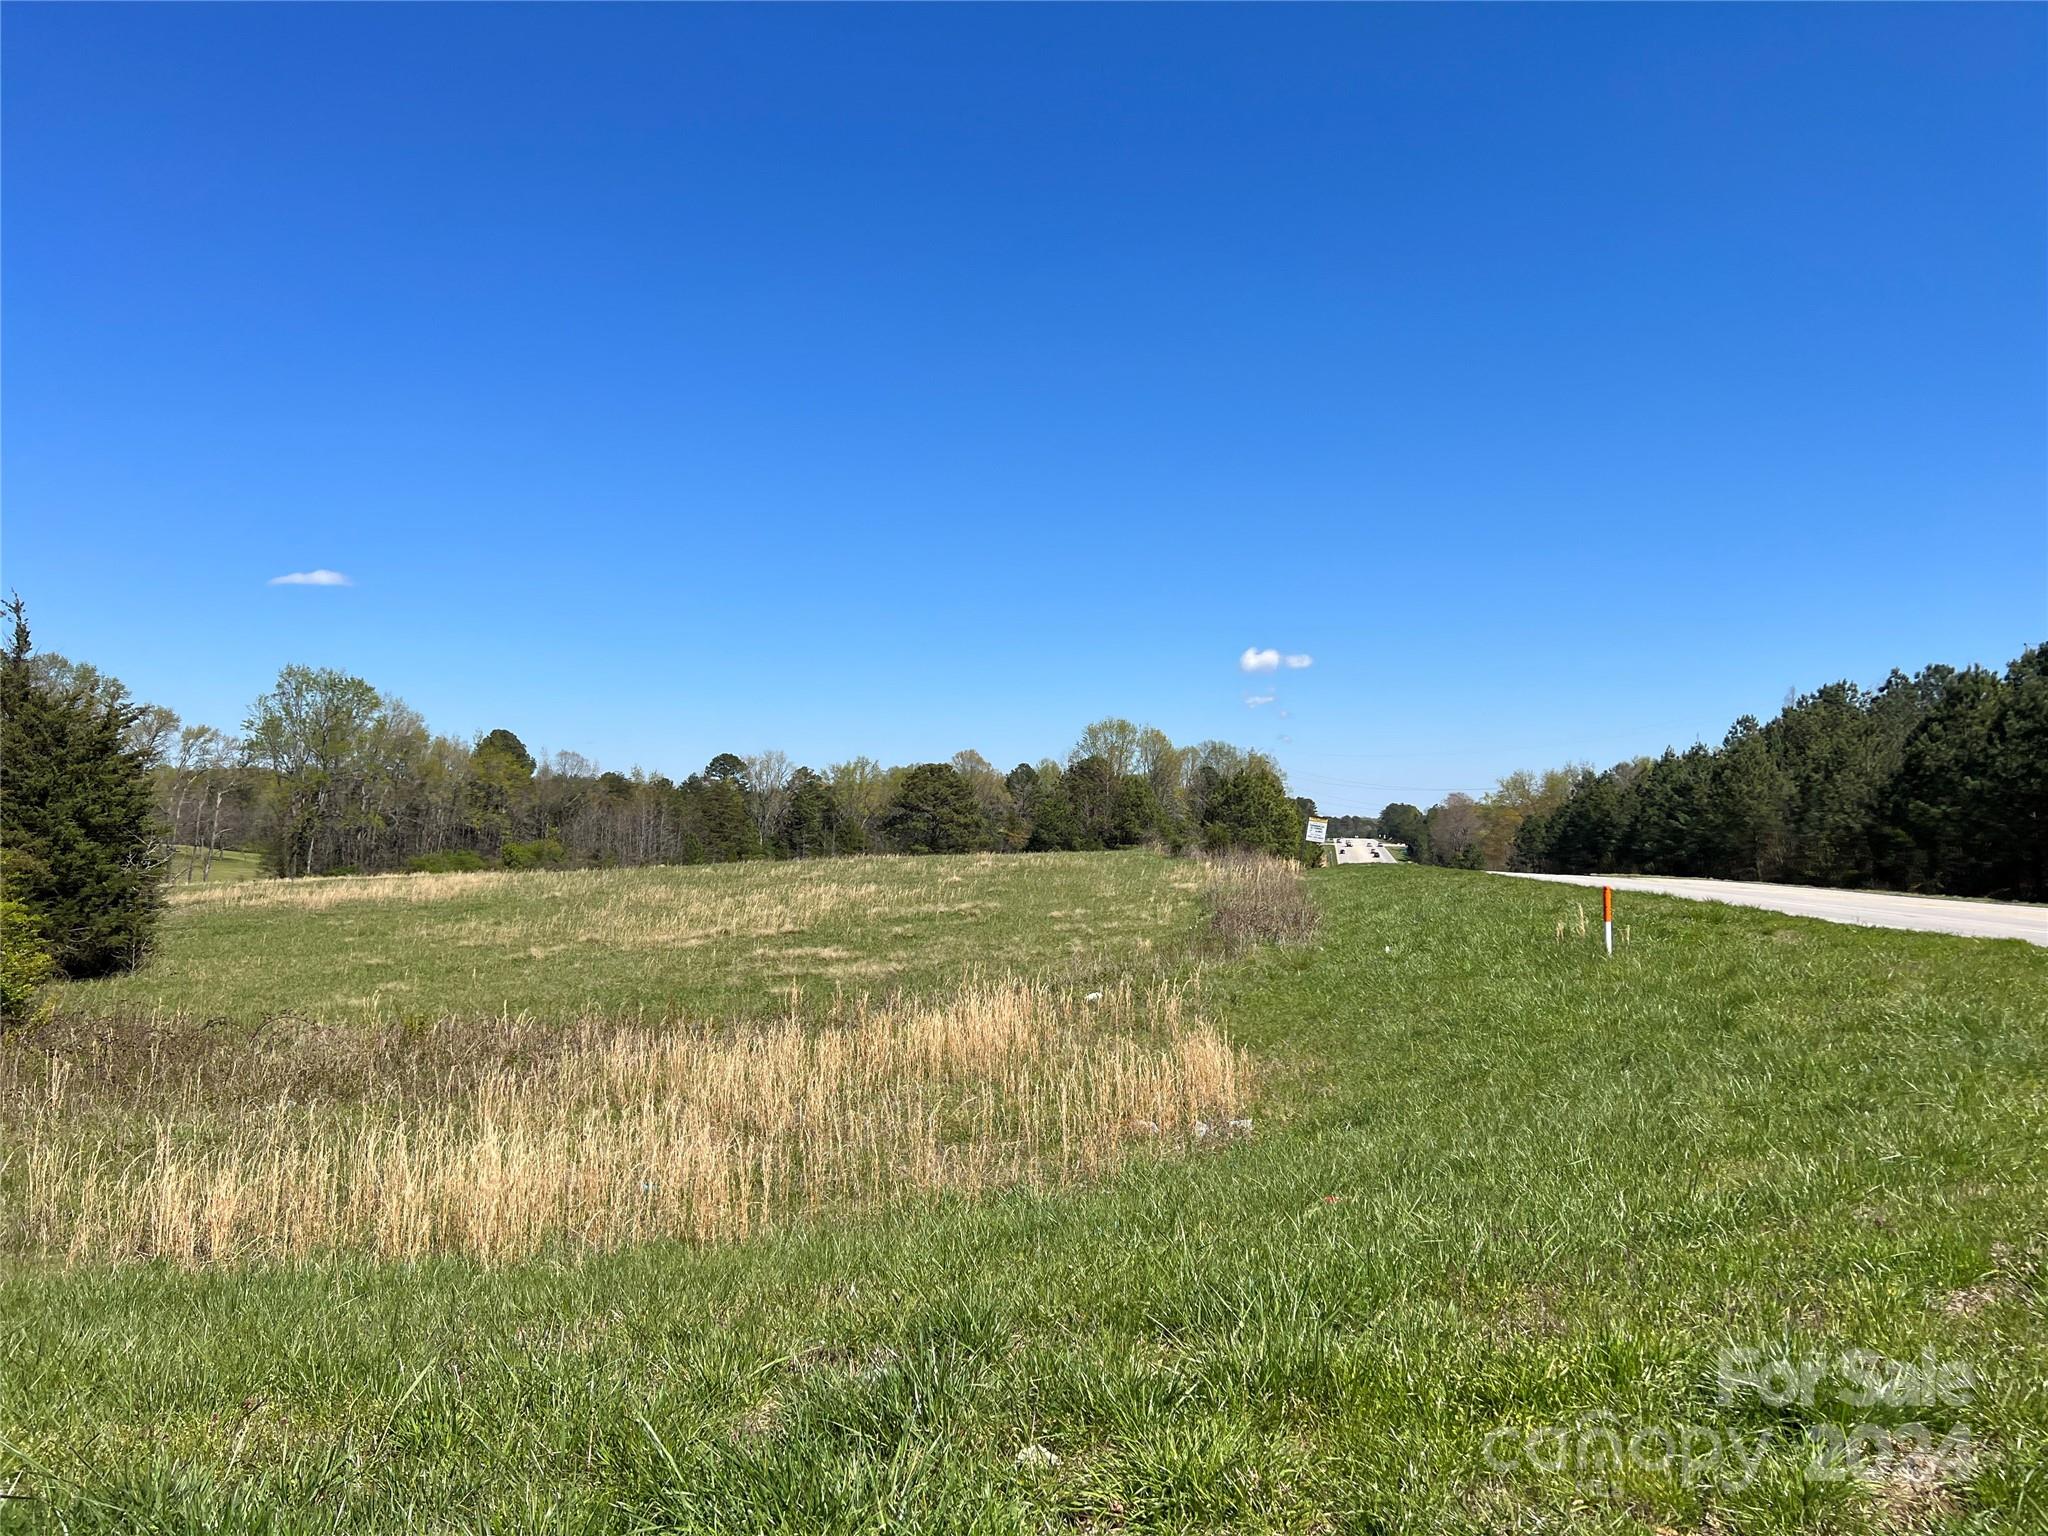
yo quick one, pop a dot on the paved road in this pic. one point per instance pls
(1868, 909)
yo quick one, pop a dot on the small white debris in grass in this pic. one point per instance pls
(880, 1361)
(1203, 1129)
(1093, 997)
(1037, 1456)
(1241, 1127)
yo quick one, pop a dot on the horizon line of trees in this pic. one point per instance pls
(328, 775)
(1935, 782)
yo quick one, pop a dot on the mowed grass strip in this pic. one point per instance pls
(712, 942)
(1508, 1203)
(228, 866)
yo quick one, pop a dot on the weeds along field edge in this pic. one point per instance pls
(600, 1135)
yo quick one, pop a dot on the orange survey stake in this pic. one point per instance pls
(1606, 903)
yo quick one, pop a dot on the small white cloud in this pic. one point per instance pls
(1254, 700)
(1256, 660)
(311, 579)
(1296, 662)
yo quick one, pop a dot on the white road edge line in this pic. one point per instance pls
(1863, 909)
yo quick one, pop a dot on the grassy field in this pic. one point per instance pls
(227, 866)
(1522, 1239)
(646, 943)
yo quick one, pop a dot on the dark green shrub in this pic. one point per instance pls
(541, 853)
(450, 861)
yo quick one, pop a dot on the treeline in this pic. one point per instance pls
(329, 775)
(1935, 782)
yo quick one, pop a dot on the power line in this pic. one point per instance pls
(1420, 789)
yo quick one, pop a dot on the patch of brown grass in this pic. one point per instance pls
(317, 895)
(500, 1138)
(1258, 899)
(1919, 1491)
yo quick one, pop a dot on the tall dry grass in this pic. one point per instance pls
(497, 1139)
(1258, 899)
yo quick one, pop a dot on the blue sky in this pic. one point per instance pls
(1563, 382)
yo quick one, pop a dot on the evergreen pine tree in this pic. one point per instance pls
(933, 812)
(2018, 772)
(1250, 810)
(79, 843)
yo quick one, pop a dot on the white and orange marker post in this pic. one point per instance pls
(1607, 916)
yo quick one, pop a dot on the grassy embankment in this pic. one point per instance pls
(1498, 1187)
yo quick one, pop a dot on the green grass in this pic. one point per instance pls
(228, 864)
(1497, 1183)
(729, 940)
